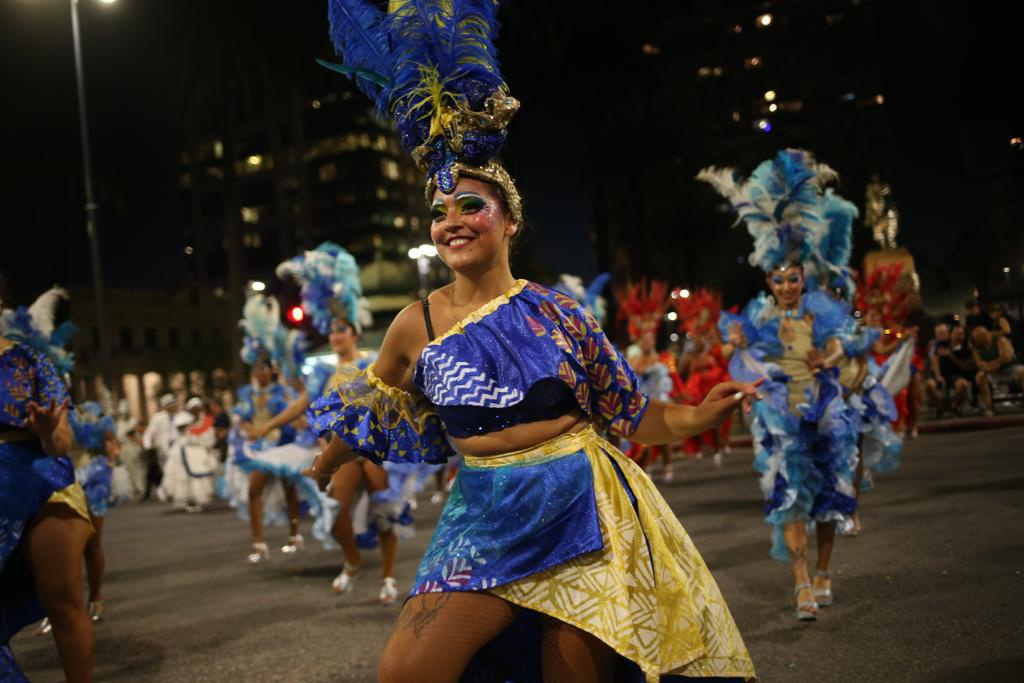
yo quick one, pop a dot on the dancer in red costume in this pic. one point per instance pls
(643, 308)
(702, 366)
(883, 299)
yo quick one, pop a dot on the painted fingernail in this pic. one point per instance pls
(738, 396)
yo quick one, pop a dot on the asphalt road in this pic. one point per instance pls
(932, 591)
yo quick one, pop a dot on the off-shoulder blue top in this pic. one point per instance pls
(530, 354)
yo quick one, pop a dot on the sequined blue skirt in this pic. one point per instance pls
(503, 523)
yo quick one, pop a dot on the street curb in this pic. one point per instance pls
(967, 424)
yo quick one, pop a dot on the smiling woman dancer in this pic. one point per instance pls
(805, 437)
(555, 557)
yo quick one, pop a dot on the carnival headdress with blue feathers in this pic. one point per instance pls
(34, 326)
(781, 203)
(329, 276)
(432, 66)
(264, 338)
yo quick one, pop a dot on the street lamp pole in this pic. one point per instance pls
(103, 350)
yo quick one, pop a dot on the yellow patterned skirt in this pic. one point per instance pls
(641, 587)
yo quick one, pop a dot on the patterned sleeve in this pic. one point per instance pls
(379, 421)
(617, 403)
(49, 385)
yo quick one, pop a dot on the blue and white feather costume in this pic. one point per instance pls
(805, 434)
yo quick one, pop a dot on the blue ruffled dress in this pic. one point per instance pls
(873, 406)
(29, 478)
(571, 528)
(805, 434)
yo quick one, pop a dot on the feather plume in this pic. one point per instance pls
(779, 203)
(359, 32)
(44, 309)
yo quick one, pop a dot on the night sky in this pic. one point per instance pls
(947, 66)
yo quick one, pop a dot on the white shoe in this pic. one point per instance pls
(345, 581)
(260, 553)
(666, 475)
(295, 544)
(388, 591)
(717, 459)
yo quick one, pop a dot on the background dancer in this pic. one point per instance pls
(256, 465)
(43, 513)
(804, 438)
(332, 297)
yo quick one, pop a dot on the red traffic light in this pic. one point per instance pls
(296, 315)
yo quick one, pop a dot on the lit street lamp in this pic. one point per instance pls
(422, 255)
(90, 203)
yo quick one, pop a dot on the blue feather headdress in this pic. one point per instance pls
(781, 203)
(830, 263)
(33, 326)
(329, 276)
(432, 66)
(89, 424)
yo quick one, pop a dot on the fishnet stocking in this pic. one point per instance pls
(570, 655)
(438, 633)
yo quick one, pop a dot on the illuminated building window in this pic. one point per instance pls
(218, 149)
(316, 104)
(389, 168)
(708, 71)
(415, 222)
(650, 49)
(753, 63)
(834, 19)
(252, 240)
(328, 172)
(764, 21)
(736, 28)
(735, 117)
(250, 214)
(879, 99)
(381, 193)
(399, 221)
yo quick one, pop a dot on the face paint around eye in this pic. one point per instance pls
(469, 202)
(777, 280)
(794, 279)
(438, 211)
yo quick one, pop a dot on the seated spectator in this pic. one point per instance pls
(952, 366)
(996, 362)
(999, 324)
(976, 317)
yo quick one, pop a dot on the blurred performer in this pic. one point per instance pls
(699, 312)
(256, 465)
(160, 433)
(804, 433)
(132, 457)
(191, 468)
(332, 297)
(643, 308)
(44, 520)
